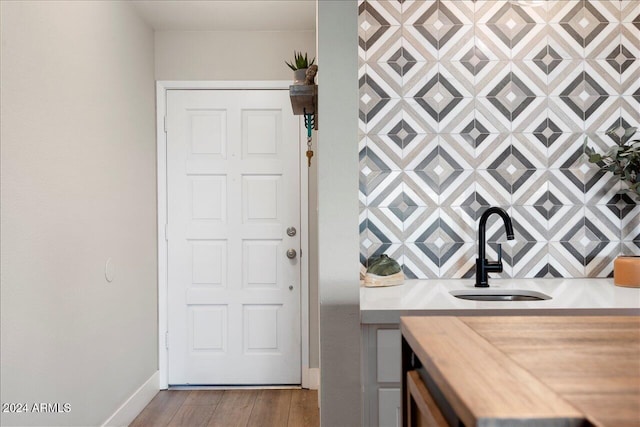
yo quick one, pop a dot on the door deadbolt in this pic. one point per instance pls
(290, 287)
(291, 231)
(291, 253)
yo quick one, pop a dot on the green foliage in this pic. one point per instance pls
(384, 266)
(299, 61)
(622, 160)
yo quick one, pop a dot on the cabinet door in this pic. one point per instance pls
(389, 401)
(388, 343)
(382, 375)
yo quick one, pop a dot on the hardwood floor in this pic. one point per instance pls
(231, 408)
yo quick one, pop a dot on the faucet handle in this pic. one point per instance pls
(494, 266)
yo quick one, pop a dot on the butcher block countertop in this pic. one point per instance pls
(547, 370)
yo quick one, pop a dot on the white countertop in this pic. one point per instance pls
(431, 297)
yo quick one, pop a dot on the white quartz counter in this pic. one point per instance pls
(431, 297)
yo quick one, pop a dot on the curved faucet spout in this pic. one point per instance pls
(483, 266)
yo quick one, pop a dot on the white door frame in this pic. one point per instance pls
(161, 105)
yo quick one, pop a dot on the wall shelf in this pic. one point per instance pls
(304, 100)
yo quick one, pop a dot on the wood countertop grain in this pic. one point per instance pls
(533, 370)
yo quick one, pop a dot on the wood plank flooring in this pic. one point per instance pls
(231, 408)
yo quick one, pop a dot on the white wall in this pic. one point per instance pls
(228, 55)
(78, 187)
(338, 241)
(245, 55)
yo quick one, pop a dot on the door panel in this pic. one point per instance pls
(233, 189)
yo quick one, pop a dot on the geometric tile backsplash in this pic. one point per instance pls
(470, 104)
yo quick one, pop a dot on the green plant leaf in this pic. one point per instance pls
(622, 159)
(300, 61)
(595, 158)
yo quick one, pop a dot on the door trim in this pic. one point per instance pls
(161, 106)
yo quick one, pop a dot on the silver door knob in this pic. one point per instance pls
(291, 253)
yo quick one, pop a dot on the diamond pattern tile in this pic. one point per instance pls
(547, 132)
(630, 248)
(438, 97)
(608, 76)
(630, 36)
(563, 43)
(620, 59)
(380, 13)
(457, 260)
(547, 59)
(439, 23)
(606, 114)
(490, 45)
(386, 224)
(608, 36)
(601, 187)
(584, 95)
(583, 22)
(401, 61)
(413, 41)
(630, 109)
(527, 258)
(491, 112)
(528, 73)
(421, 260)
(565, 118)
(511, 96)
(493, 150)
(474, 60)
(528, 186)
(383, 188)
(630, 79)
(630, 10)
(389, 42)
(422, 192)
(493, 187)
(631, 225)
(510, 24)
(563, 259)
(380, 155)
(373, 98)
(421, 224)
(469, 104)
(459, 190)
(532, 43)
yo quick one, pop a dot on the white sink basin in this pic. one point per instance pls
(499, 295)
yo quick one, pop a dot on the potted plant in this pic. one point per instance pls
(299, 66)
(622, 160)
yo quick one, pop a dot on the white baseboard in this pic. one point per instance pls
(130, 409)
(311, 378)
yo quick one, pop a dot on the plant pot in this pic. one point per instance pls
(299, 76)
(626, 271)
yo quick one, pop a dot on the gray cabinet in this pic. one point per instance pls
(381, 351)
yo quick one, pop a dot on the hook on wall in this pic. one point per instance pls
(309, 121)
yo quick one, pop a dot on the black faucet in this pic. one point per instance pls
(483, 267)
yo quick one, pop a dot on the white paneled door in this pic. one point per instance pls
(233, 191)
